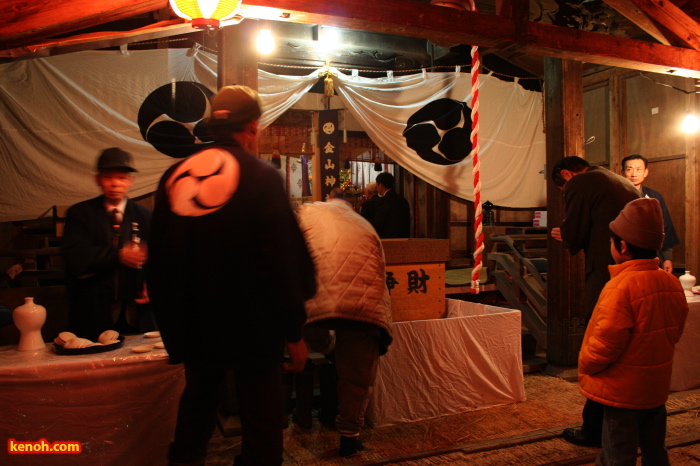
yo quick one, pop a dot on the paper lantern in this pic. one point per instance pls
(206, 14)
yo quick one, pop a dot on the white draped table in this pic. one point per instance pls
(121, 406)
(686, 360)
(471, 359)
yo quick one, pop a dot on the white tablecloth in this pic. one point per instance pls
(686, 360)
(120, 405)
(470, 360)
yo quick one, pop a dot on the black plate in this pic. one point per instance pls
(90, 350)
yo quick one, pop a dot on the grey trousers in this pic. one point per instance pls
(356, 358)
(625, 430)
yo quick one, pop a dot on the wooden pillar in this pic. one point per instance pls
(238, 57)
(692, 196)
(565, 137)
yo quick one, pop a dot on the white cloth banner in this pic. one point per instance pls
(425, 111)
(57, 114)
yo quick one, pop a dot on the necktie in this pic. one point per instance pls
(116, 217)
(116, 226)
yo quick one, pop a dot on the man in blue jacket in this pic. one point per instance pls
(635, 168)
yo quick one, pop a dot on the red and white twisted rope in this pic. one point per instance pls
(474, 137)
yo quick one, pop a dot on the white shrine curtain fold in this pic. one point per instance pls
(511, 138)
(58, 113)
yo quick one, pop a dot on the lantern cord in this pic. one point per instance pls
(474, 136)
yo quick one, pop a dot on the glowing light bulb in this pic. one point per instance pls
(265, 42)
(691, 124)
(329, 40)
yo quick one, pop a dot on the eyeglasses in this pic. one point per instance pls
(634, 170)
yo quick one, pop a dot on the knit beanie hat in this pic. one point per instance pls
(641, 223)
(234, 106)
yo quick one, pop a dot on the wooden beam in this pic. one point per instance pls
(437, 23)
(638, 17)
(591, 47)
(23, 22)
(399, 17)
(440, 24)
(673, 19)
(98, 40)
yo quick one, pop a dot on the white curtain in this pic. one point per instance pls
(280, 93)
(511, 137)
(58, 113)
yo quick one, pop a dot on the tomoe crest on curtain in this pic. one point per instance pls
(439, 132)
(171, 118)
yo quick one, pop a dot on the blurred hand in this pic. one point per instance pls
(133, 256)
(13, 271)
(556, 234)
(668, 266)
(143, 296)
(297, 355)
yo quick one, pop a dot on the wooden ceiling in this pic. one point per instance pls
(651, 35)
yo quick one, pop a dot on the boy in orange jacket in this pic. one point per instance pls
(627, 353)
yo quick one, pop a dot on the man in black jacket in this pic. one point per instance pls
(104, 275)
(594, 197)
(229, 275)
(393, 215)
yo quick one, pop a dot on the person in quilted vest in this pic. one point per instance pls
(352, 299)
(627, 353)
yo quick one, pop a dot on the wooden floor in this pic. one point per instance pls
(527, 433)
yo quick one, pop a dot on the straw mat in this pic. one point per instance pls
(526, 433)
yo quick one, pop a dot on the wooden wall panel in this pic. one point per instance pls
(460, 228)
(667, 176)
(654, 134)
(596, 123)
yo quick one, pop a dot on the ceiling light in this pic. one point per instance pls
(265, 43)
(328, 40)
(691, 123)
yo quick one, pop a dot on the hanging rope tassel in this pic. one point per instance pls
(327, 73)
(474, 137)
(328, 90)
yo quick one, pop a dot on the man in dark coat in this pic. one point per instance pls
(392, 218)
(368, 209)
(104, 275)
(635, 168)
(229, 276)
(594, 197)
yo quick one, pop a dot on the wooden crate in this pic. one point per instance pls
(416, 277)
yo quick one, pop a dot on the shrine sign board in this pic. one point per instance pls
(415, 276)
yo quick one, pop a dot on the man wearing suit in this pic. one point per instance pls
(103, 266)
(393, 215)
(635, 169)
(594, 197)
